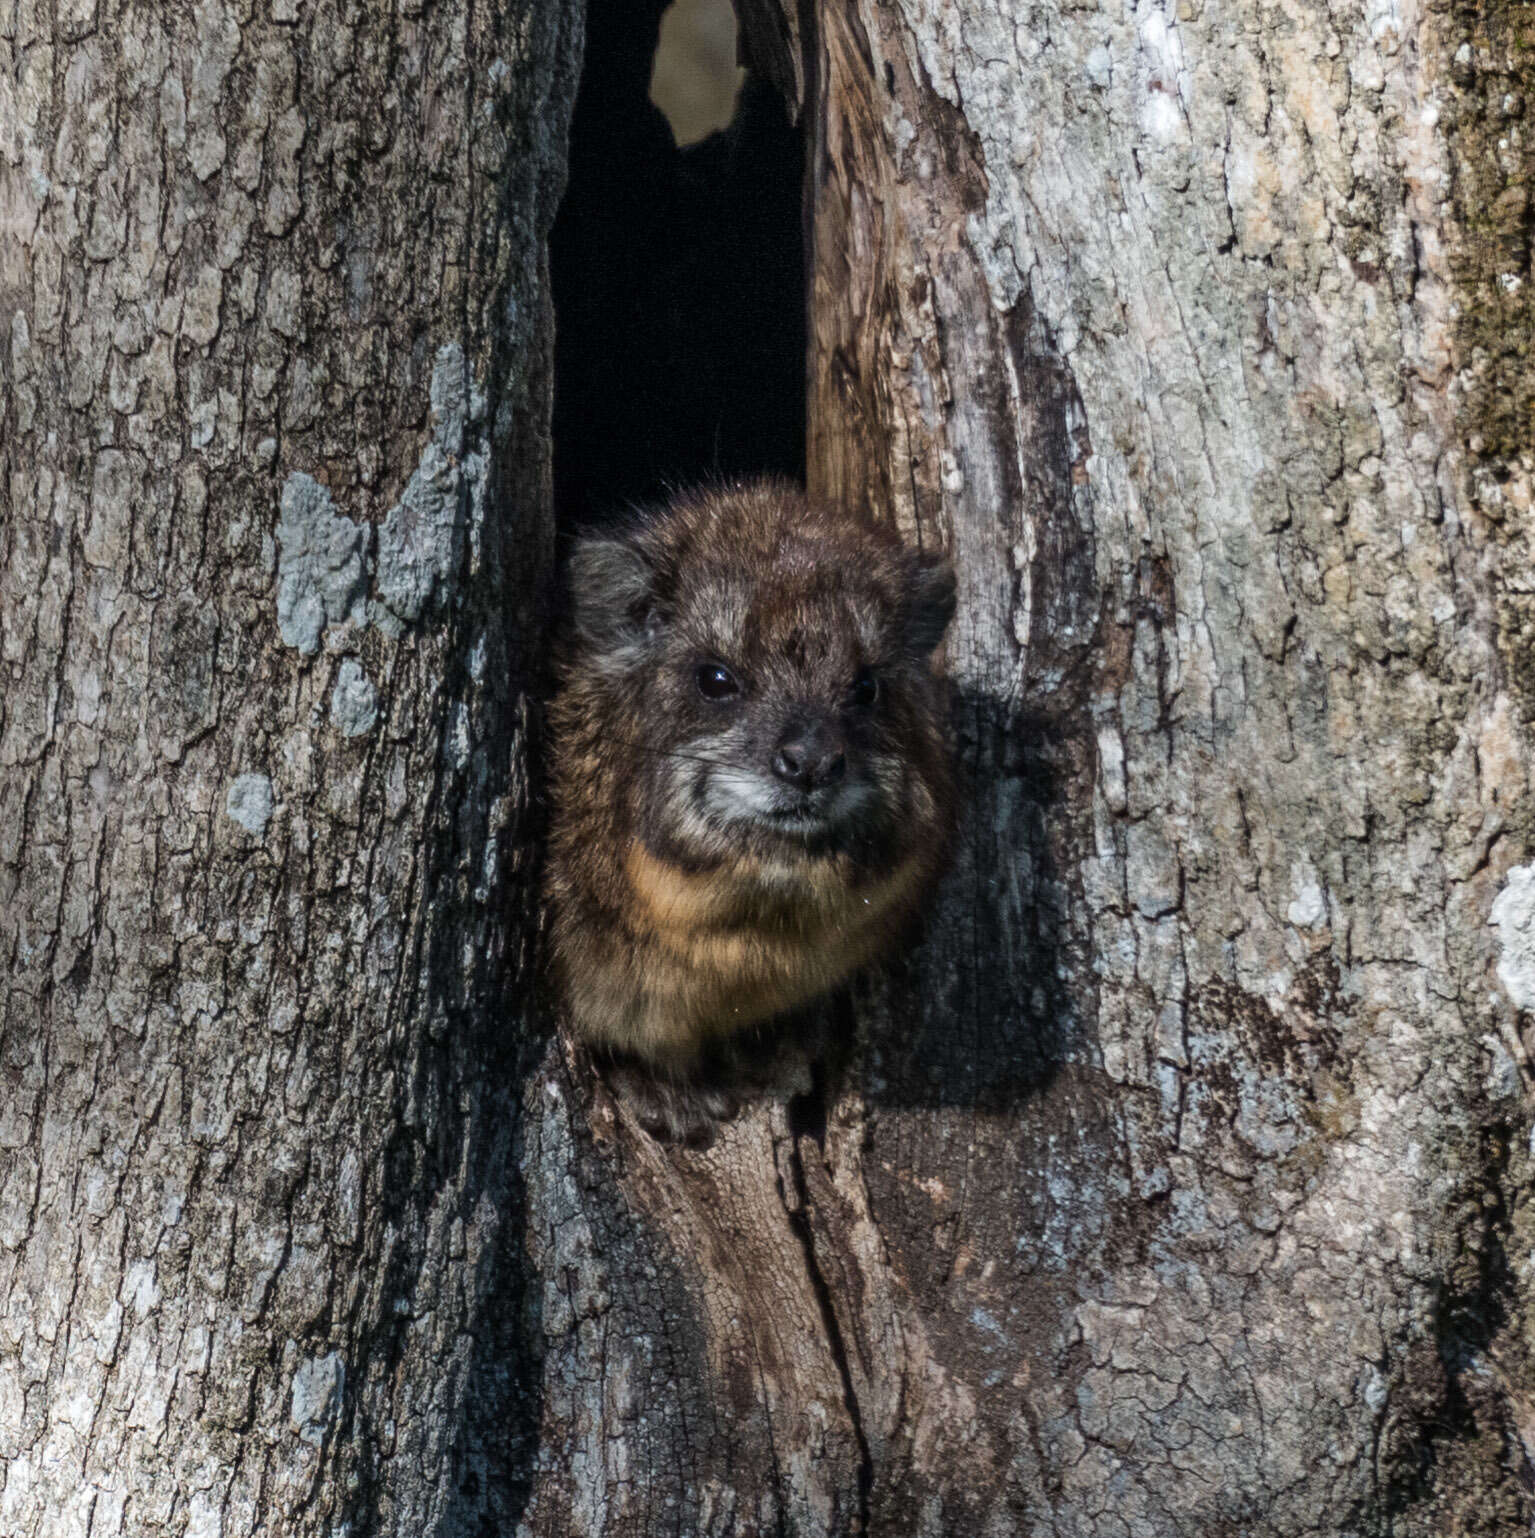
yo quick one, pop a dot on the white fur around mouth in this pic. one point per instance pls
(796, 822)
(733, 795)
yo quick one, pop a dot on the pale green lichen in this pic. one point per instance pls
(250, 802)
(354, 700)
(318, 1386)
(1513, 916)
(322, 574)
(421, 540)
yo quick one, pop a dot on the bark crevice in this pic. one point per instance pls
(806, 1123)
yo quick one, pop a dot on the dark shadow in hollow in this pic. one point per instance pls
(960, 1031)
(679, 287)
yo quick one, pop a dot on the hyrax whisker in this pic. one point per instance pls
(643, 747)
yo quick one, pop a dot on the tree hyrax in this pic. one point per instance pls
(751, 780)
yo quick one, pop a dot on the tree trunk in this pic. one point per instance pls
(273, 435)
(1178, 1182)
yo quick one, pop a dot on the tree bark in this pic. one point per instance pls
(1178, 1182)
(273, 436)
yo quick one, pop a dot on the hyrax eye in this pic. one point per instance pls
(865, 688)
(716, 682)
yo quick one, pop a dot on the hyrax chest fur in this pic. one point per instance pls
(750, 775)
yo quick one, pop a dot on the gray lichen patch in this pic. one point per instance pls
(317, 1389)
(354, 700)
(421, 540)
(1513, 916)
(250, 802)
(322, 569)
(1308, 908)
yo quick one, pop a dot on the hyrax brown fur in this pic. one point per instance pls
(751, 775)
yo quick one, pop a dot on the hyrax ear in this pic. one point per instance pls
(613, 591)
(929, 601)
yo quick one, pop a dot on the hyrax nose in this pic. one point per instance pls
(810, 758)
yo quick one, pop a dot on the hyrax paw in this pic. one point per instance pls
(677, 1112)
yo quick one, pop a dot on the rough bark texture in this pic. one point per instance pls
(1178, 1183)
(273, 440)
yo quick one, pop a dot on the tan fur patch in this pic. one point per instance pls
(736, 945)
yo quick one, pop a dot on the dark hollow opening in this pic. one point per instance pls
(679, 286)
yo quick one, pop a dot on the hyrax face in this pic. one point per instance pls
(770, 667)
